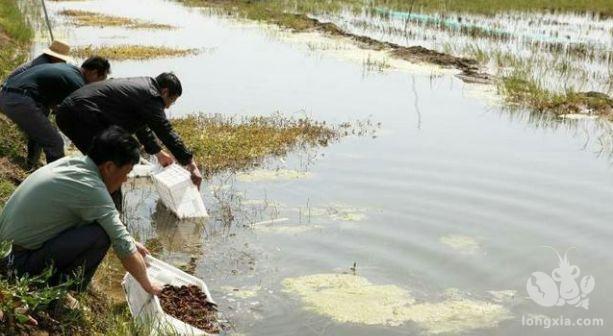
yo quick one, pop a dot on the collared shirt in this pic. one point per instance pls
(48, 84)
(136, 105)
(64, 194)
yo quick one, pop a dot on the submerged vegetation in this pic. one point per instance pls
(131, 52)
(85, 18)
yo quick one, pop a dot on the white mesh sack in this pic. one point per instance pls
(147, 309)
(178, 192)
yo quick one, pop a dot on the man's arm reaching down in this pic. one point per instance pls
(135, 265)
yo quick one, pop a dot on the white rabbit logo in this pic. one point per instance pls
(544, 290)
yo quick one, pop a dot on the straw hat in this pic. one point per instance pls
(58, 49)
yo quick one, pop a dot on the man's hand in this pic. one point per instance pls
(164, 158)
(135, 264)
(155, 289)
(141, 249)
(192, 167)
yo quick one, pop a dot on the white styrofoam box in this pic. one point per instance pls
(141, 170)
(147, 308)
(178, 192)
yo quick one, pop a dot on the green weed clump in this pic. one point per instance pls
(23, 297)
(130, 52)
(519, 89)
(85, 18)
(13, 141)
(221, 143)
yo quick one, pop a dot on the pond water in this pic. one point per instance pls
(456, 199)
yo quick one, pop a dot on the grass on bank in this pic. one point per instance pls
(13, 24)
(15, 34)
(130, 52)
(15, 37)
(86, 18)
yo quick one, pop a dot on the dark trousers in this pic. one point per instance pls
(74, 252)
(33, 119)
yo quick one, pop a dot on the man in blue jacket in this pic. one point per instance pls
(28, 97)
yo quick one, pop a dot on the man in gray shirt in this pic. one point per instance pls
(63, 215)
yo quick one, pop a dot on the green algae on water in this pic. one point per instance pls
(353, 299)
(461, 243)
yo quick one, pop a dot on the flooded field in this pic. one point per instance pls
(560, 51)
(434, 224)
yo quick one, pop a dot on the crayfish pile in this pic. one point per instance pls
(189, 304)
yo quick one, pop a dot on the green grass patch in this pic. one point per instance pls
(13, 23)
(6, 189)
(15, 35)
(130, 52)
(604, 7)
(221, 143)
(13, 141)
(269, 9)
(520, 90)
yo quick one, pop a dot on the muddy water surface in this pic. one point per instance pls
(443, 217)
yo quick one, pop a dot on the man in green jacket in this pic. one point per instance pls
(63, 216)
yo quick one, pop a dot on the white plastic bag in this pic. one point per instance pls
(146, 308)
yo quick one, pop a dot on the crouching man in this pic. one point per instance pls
(63, 215)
